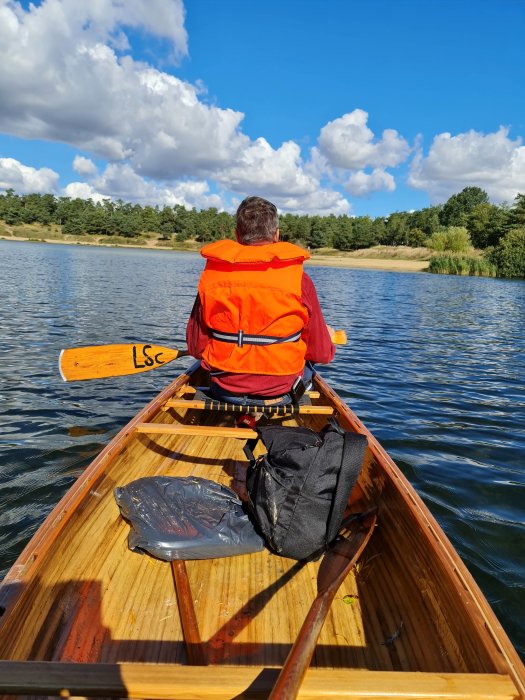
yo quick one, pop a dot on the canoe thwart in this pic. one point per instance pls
(196, 430)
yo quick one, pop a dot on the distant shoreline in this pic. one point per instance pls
(349, 260)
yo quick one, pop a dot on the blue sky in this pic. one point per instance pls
(323, 106)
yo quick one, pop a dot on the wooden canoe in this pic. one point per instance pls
(82, 615)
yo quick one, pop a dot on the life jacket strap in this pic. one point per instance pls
(242, 338)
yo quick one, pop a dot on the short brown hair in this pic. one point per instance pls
(257, 220)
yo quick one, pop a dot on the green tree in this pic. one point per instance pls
(396, 228)
(486, 224)
(302, 228)
(456, 209)
(38, 208)
(95, 221)
(167, 224)
(11, 208)
(425, 220)
(379, 230)
(363, 232)
(149, 217)
(454, 239)
(416, 237)
(509, 254)
(344, 237)
(316, 237)
(330, 229)
(517, 212)
(287, 227)
(73, 214)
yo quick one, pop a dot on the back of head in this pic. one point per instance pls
(257, 221)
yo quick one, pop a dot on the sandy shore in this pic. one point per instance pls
(349, 261)
(392, 264)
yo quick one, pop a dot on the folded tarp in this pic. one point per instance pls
(186, 518)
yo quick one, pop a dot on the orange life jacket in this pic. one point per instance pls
(251, 299)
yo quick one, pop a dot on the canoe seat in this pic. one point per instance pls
(212, 405)
(196, 398)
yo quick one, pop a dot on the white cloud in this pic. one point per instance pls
(323, 202)
(492, 161)
(26, 180)
(119, 181)
(348, 143)
(81, 190)
(361, 183)
(88, 95)
(84, 166)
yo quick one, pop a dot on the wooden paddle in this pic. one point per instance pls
(99, 361)
(333, 570)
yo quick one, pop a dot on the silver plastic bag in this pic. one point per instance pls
(186, 518)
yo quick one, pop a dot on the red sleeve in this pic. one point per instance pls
(197, 334)
(319, 347)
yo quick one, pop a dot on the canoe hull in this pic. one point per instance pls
(409, 613)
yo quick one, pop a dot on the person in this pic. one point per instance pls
(256, 324)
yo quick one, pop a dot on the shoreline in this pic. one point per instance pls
(343, 261)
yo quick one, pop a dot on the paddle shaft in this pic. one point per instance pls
(333, 570)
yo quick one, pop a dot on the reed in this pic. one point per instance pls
(462, 265)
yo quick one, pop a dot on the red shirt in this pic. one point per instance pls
(319, 348)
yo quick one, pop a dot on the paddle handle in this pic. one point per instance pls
(339, 337)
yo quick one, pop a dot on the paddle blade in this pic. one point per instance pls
(98, 361)
(339, 337)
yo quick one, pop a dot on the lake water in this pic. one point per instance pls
(434, 366)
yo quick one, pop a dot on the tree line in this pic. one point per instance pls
(486, 224)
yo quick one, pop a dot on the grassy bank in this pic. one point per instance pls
(398, 258)
(471, 265)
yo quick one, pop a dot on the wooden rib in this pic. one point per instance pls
(163, 681)
(218, 406)
(198, 430)
(188, 618)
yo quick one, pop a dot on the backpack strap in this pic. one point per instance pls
(352, 459)
(249, 447)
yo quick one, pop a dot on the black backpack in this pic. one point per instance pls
(300, 488)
